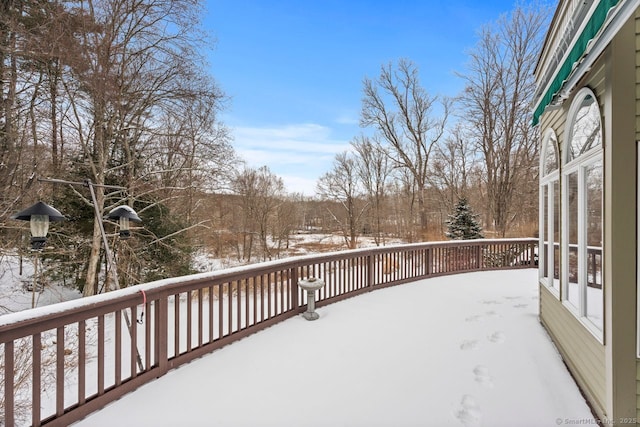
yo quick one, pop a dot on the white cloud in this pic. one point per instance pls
(297, 184)
(298, 153)
(347, 118)
(306, 137)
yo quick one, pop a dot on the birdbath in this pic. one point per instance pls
(311, 285)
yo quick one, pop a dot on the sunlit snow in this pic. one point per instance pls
(462, 350)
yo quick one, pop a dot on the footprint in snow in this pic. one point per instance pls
(469, 344)
(482, 376)
(497, 337)
(521, 305)
(512, 298)
(491, 313)
(470, 414)
(491, 302)
(473, 318)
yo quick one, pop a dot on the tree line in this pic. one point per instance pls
(424, 153)
(118, 93)
(113, 92)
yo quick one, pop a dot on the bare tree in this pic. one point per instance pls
(341, 185)
(454, 160)
(189, 154)
(404, 205)
(496, 104)
(136, 64)
(49, 46)
(261, 193)
(286, 221)
(404, 115)
(12, 116)
(114, 91)
(373, 168)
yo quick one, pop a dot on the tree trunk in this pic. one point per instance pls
(91, 281)
(53, 91)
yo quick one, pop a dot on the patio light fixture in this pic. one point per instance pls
(39, 216)
(124, 214)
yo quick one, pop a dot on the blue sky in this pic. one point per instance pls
(293, 69)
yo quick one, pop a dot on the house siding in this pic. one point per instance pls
(582, 352)
(620, 212)
(638, 392)
(637, 24)
(637, 128)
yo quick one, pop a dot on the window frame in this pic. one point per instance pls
(547, 181)
(638, 253)
(579, 165)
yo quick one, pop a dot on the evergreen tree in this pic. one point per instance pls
(463, 224)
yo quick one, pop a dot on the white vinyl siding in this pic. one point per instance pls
(583, 353)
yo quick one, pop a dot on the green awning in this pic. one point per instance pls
(595, 23)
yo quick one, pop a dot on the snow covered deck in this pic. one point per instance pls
(460, 350)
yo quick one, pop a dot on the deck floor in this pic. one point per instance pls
(464, 350)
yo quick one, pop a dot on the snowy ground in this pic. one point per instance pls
(463, 350)
(15, 281)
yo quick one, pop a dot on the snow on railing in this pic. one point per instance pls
(64, 361)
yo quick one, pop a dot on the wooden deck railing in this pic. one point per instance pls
(593, 264)
(62, 362)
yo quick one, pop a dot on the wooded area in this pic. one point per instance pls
(117, 92)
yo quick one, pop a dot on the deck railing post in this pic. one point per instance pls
(9, 420)
(370, 271)
(294, 289)
(162, 330)
(532, 251)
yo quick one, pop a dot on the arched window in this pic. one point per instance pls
(549, 247)
(582, 278)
